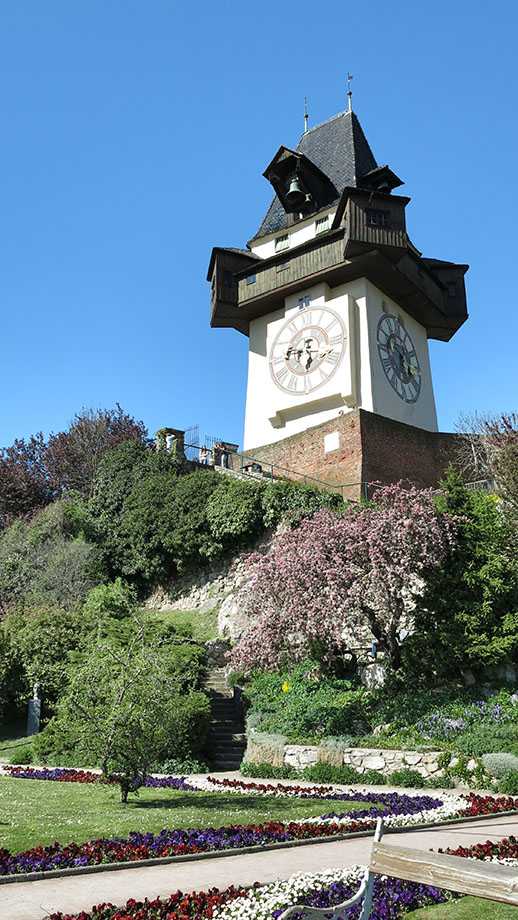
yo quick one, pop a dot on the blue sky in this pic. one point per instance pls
(135, 135)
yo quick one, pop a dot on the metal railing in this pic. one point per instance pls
(260, 469)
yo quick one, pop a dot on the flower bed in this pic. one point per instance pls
(69, 775)
(396, 809)
(392, 898)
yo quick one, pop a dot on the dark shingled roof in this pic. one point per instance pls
(340, 149)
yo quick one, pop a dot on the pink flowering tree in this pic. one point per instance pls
(323, 582)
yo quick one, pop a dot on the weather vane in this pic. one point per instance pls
(306, 116)
(349, 92)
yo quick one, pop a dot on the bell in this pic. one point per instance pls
(295, 196)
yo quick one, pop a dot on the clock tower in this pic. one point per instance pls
(337, 302)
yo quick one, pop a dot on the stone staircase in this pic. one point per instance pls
(226, 740)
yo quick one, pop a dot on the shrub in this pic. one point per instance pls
(498, 764)
(468, 611)
(56, 745)
(115, 599)
(407, 777)
(39, 643)
(23, 755)
(282, 498)
(234, 512)
(508, 783)
(307, 708)
(485, 739)
(321, 773)
(40, 563)
(265, 770)
(373, 777)
(440, 782)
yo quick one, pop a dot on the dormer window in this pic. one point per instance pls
(322, 224)
(377, 218)
(282, 242)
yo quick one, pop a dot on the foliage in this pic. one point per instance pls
(483, 739)
(116, 599)
(38, 642)
(499, 763)
(72, 457)
(495, 711)
(407, 777)
(468, 612)
(56, 745)
(128, 711)
(234, 512)
(35, 472)
(24, 486)
(23, 755)
(266, 770)
(501, 438)
(154, 520)
(280, 499)
(508, 783)
(306, 707)
(333, 575)
(40, 562)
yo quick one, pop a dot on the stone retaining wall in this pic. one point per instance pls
(384, 761)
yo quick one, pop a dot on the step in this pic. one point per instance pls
(234, 738)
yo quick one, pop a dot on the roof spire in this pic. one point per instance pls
(306, 116)
(349, 92)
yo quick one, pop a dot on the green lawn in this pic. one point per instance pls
(38, 812)
(12, 740)
(199, 626)
(466, 909)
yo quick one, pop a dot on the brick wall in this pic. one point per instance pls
(366, 448)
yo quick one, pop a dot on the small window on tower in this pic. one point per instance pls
(322, 224)
(377, 218)
(282, 242)
(250, 279)
(452, 289)
(228, 278)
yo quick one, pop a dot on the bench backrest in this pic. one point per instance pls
(453, 873)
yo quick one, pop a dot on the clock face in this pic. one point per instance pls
(398, 358)
(307, 350)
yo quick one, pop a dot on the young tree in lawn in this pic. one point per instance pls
(332, 575)
(128, 708)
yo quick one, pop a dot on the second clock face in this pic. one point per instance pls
(307, 350)
(399, 358)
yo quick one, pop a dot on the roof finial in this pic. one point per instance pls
(349, 93)
(306, 116)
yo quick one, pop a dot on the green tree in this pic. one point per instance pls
(127, 708)
(40, 562)
(468, 614)
(37, 644)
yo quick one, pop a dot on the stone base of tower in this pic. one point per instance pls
(355, 449)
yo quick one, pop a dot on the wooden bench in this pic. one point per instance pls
(453, 873)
